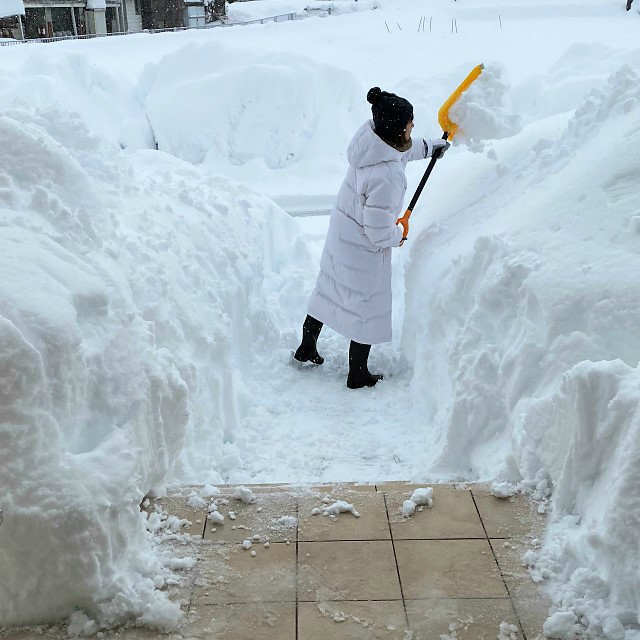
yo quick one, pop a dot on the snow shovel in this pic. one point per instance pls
(449, 127)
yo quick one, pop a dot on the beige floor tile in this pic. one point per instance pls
(256, 621)
(140, 633)
(508, 518)
(229, 574)
(509, 555)
(453, 515)
(272, 517)
(347, 571)
(371, 525)
(228, 489)
(351, 621)
(332, 489)
(532, 613)
(460, 619)
(448, 569)
(405, 486)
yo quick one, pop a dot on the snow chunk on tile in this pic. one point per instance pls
(209, 491)
(408, 508)
(244, 494)
(423, 497)
(340, 506)
(216, 517)
(508, 631)
(560, 625)
(503, 489)
(285, 522)
(196, 502)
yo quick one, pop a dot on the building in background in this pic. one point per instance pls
(11, 24)
(35, 19)
(60, 18)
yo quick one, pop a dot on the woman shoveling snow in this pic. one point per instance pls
(353, 291)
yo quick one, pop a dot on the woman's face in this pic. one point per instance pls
(408, 130)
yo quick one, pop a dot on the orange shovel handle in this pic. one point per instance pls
(404, 221)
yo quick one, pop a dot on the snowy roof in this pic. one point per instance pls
(11, 8)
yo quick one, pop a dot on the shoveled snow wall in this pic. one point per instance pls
(522, 324)
(257, 113)
(131, 289)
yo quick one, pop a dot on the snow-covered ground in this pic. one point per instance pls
(149, 300)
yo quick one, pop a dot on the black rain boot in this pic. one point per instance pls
(359, 375)
(307, 351)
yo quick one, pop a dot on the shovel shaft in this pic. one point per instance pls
(404, 221)
(449, 127)
(425, 177)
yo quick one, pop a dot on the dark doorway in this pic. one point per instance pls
(61, 21)
(34, 23)
(81, 21)
(111, 20)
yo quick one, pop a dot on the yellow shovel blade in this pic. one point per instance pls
(446, 123)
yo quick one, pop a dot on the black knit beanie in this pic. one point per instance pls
(391, 113)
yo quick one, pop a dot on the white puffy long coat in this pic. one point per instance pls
(353, 291)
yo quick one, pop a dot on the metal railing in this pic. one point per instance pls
(283, 17)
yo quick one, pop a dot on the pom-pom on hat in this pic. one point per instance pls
(391, 114)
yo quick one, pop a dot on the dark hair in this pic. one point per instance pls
(374, 94)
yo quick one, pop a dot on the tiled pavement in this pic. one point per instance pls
(452, 570)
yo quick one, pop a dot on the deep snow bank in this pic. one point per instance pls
(131, 286)
(247, 114)
(522, 322)
(591, 549)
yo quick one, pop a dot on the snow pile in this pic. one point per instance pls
(248, 110)
(419, 498)
(130, 283)
(69, 85)
(527, 350)
(593, 558)
(482, 112)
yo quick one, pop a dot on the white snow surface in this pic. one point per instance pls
(11, 8)
(481, 112)
(149, 300)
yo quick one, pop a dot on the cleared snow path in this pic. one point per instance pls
(304, 425)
